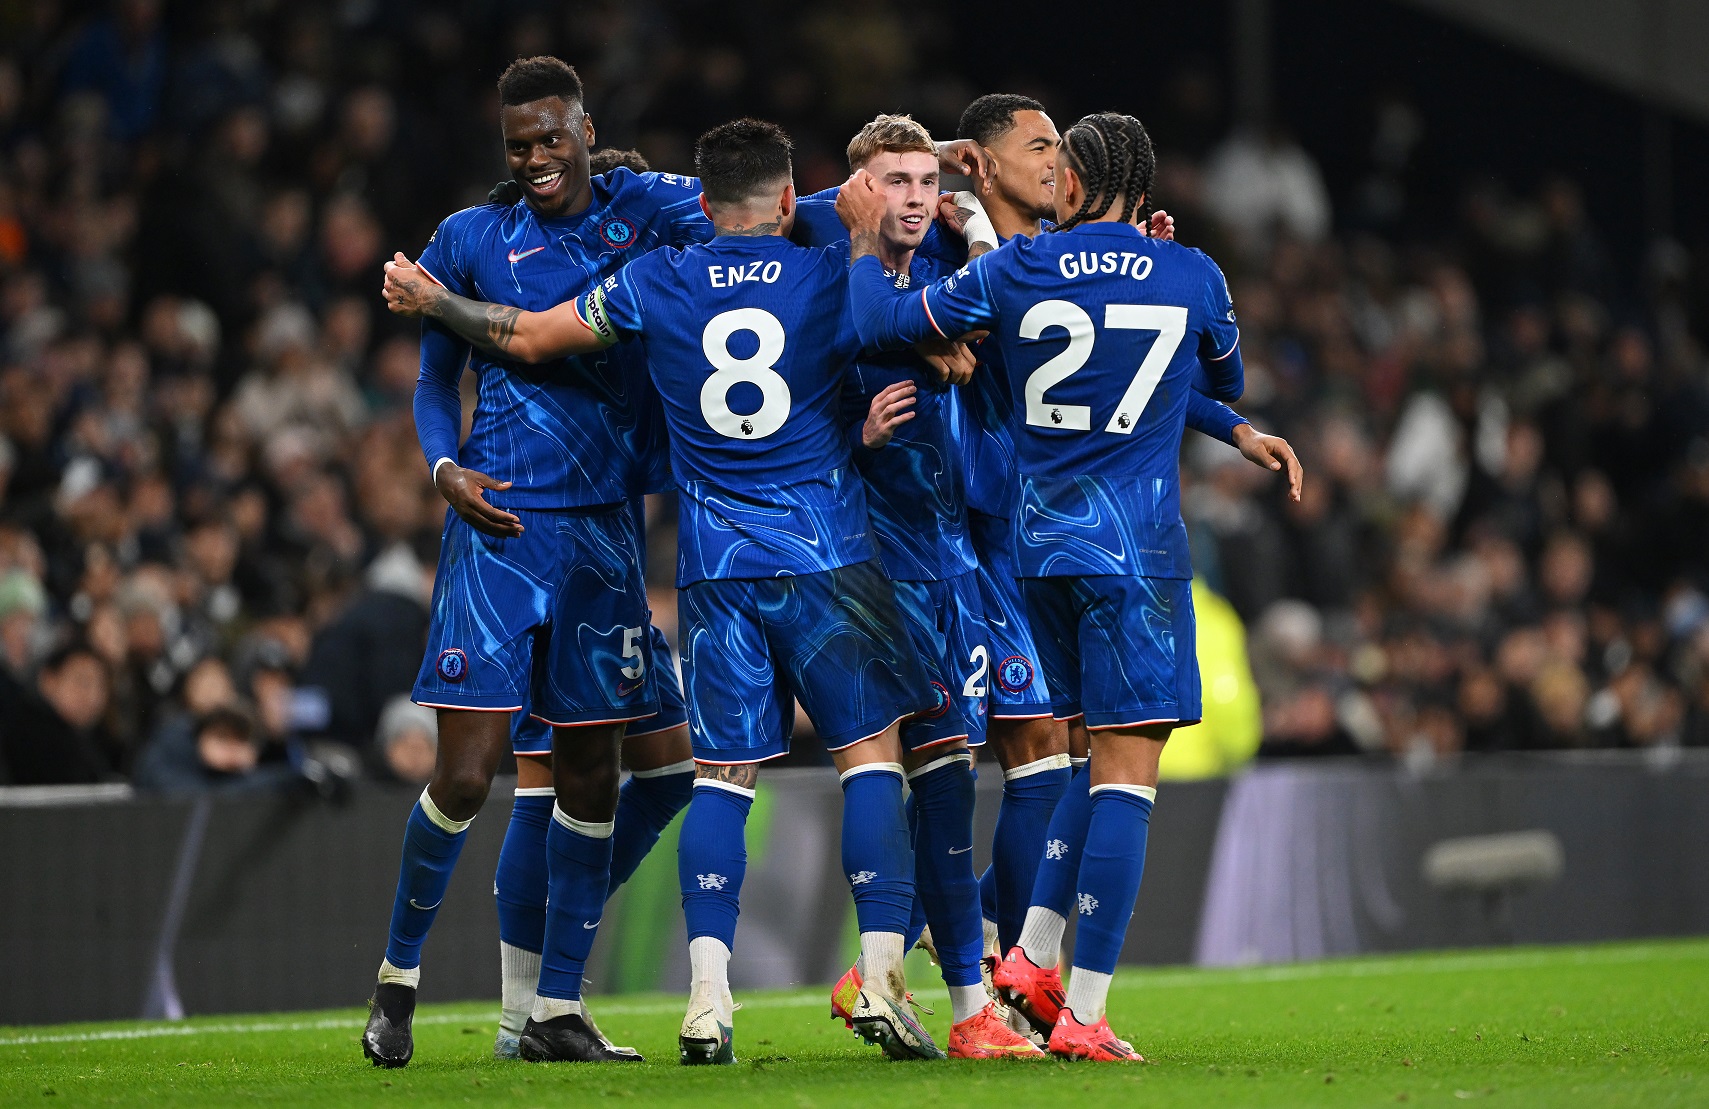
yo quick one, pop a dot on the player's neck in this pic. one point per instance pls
(1011, 220)
(578, 203)
(743, 222)
(896, 259)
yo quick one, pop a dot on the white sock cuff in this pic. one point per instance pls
(1149, 793)
(583, 827)
(440, 820)
(939, 764)
(727, 787)
(536, 791)
(870, 768)
(1049, 762)
(686, 766)
(1076, 762)
(397, 976)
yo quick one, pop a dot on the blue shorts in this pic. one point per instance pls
(834, 640)
(530, 735)
(1121, 648)
(1018, 690)
(554, 621)
(946, 622)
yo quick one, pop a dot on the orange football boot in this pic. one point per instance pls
(987, 1035)
(1035, 992)
(1072, 1040)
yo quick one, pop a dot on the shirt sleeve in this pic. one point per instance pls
(438, 403)
(948, 308)
(1213, 418)
(1219, 346)
(678, 198)
(612, 309)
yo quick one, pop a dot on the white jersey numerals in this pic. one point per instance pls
(756, 370)
(974, 686)
(1169, 322)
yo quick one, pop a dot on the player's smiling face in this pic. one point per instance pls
(545, 145)
(1025, 157)
(910, 185)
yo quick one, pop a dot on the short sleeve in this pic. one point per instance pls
(442, 258)
(612, 309)
(962, 302)
(1222, 334)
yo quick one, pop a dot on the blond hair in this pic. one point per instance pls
(888, 134)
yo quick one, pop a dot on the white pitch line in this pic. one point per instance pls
(1295, 972)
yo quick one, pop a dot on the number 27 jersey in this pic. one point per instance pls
(1101, 329)
(747, 341)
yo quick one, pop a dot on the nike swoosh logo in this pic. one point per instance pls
(595, 924)
(425, 908)
(961, 850)
(515, 257)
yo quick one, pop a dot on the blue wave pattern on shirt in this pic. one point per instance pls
(1092, 524)
(916, 487)
(771, 530)
(988, 447)
(577, 431)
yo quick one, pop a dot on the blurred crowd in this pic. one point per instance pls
(217, 533)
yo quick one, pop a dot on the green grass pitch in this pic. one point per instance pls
(1613, 1025)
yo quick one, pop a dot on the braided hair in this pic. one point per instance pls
(1113, 156)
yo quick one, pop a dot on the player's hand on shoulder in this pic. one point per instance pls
(1162, 226)
(1273, 453)
(462, 490)
(407, 289)
(954, 362)
(892, 407)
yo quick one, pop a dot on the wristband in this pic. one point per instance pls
(434, 476)
(979, 228)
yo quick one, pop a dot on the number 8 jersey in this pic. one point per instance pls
(747, 340)
(1102, 331)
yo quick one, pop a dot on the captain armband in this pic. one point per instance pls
(591, 310)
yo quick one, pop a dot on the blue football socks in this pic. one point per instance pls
(712, 859)
(432, 842)
(1030, 796)
(1110, 871)
(578, 862)
(943, 860)
(519, 884)
(646, 805)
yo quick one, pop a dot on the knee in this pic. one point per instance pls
(459, 791)
(1020, 742)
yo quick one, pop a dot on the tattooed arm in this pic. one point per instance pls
(495, 328)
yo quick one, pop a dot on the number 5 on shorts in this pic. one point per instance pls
(632, 649)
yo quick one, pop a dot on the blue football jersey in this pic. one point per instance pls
(915, 485)
(564, 435)
(748, 340)
(1101, 331)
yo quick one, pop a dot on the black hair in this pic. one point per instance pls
(227, 718)
(67, 651)
(529, 79)
(1112, 154)
(991, 116)
(737, 160)
(608, 158)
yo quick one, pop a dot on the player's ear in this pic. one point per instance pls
(705, 207)
(786, 203)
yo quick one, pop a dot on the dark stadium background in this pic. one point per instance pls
(211, 494)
